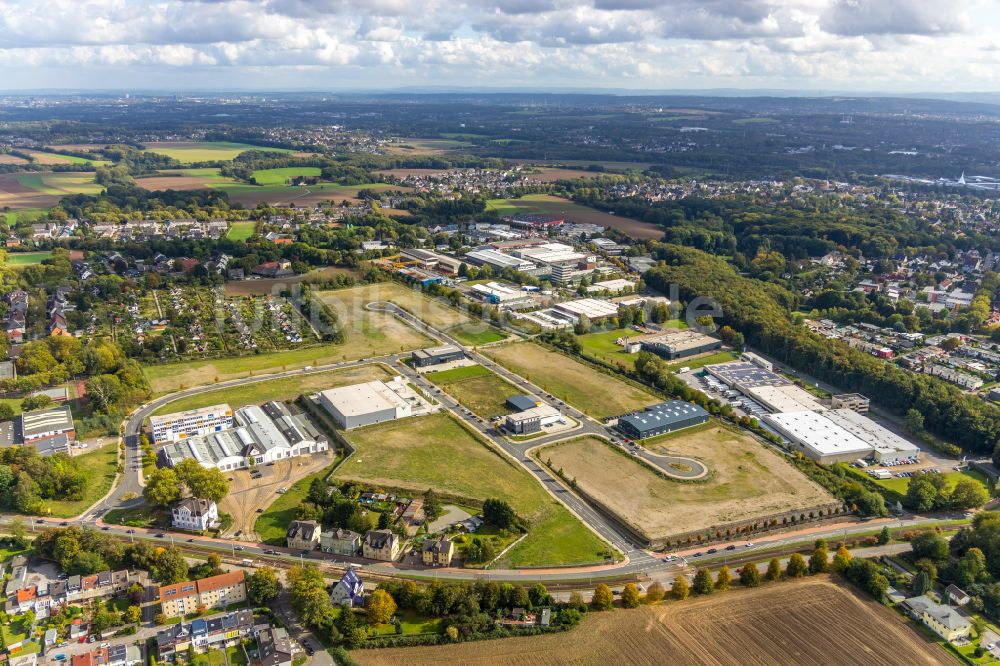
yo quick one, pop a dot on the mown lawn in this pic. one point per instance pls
(241, 231)
(286, 388)
(283, 175)
(27, 258)
(476, 388)
(476, 334)
(272, 525)
(437, 452)
(99, 467)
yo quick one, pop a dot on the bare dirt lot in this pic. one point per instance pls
(246, 495)
(814, 621)
(745, 480)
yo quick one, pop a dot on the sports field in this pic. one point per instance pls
(589, 390)
(27, 258)
(808, 621)
(437, 452)
(286, 388)
(574, 212)
(241, 230)
(188, 152)
(477, 389)
(745, 480)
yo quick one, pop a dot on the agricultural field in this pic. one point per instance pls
(187, 179)
(27, 258)
(745, 480)
(188, 152)
(43, 189)
(7, 158)
(589, 390)
(812, 621)
(574, 212)
(607, 165)
(48, 159)
(282, 176)
(285, 388)
(414, 146)
(477, 389)
(437, 452)
(241, 231)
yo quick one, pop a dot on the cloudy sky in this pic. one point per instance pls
(864, 45)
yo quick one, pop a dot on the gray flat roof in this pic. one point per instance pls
(46, 420)
(662, 414)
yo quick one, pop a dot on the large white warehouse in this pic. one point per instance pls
(818, 437)
(365, 404)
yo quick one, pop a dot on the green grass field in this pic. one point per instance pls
(286, 388)
(272, 525)
(476, 388)
(241, 231)
(188, 152)
(27, 258)
(437, 452)
(900, 485)
(282, 176)
(476, 334)
(170, 377)
(99, 466)
(592, 391)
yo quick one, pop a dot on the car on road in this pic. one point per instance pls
(698, 554)
(190, 541)
(160, 535)
(269, 552)
(105, 645)
(669, 558)
(63, 524)
(712, 550)
(259, 510)
(105, 528)
(310, 651)
(130, 532)
(238, 548)
(750, 544)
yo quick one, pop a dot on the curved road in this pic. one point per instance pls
(635, 562)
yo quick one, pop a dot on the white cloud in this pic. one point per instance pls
(642, 43)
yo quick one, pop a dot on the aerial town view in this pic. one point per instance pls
(562, 332)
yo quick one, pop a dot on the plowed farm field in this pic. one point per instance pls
(814, 621)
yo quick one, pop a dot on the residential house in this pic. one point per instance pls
(438, 552)
(381, 545)
(303, 534)
(949, 623)
(340, 542)
(349, 590)
(195, 514)
(213, 592)
(273, 647)
(955, 595)
(204, 634)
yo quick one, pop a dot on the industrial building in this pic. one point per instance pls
(533, 420)
(787, 398)
(661, 418)
(49, 431)
(888, 446)
(499, 294)
(192, 423)
(742, 375)
(680, 344)
(366, 404)
(519, 403)
(423, 358)
(263, 435)
(818, 437)
(852, 401)
(499, 260)
(592, 308)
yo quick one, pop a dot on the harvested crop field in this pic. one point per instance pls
(574, 212)
(43, 189)
(746, 480)
(6, 158)
(813, 621)
(593, 392)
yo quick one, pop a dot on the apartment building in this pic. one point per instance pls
(214, 592)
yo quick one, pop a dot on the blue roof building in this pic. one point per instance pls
(350, 590)
(661, 418)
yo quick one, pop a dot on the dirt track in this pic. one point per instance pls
(814, 621)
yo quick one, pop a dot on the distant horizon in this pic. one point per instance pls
(887, 47)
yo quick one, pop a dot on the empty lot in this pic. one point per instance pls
(587, 389)
(746, 480)
(813, 621)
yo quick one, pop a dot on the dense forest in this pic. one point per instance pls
(761, 312)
